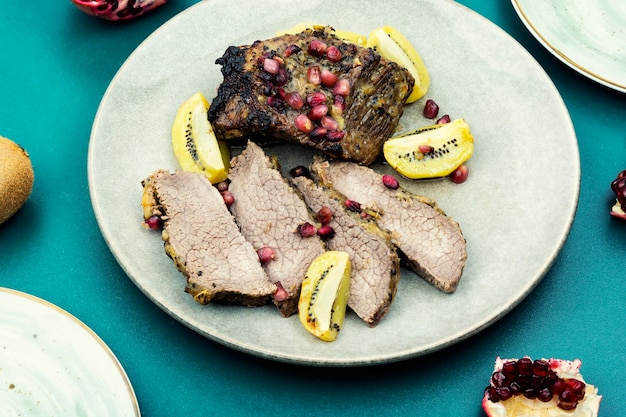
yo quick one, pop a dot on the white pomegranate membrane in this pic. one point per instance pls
(539, 388)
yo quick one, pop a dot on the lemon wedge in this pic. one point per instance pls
(394, 46)
(194, 143)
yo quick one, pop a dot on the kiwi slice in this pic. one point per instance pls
(16, 178)
(432, 151)
(194, 143)
(392, 45)
(324, 295)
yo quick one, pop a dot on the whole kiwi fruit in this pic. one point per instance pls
(16, 178)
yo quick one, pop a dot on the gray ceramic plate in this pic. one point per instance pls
(53, 365)
(516, 208)
(588, 36)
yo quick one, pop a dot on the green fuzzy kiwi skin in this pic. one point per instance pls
(16, 178)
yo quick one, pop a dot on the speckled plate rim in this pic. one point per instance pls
(536, 26)
(164, 70)
(59, 313)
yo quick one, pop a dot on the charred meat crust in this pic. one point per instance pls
(250, 102)
(203, 240)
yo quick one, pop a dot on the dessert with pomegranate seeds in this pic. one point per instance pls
(312, 88)
(539, 388)
(375, 264)
(201, 237)
(268, 212)
(431, 242)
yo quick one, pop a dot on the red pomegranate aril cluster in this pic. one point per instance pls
(228, 197)
(618, 185)
(534, 380)
(317, 109)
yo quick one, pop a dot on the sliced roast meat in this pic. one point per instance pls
(351, 96)
(432, 244)
(268, 212)
(375, 264)
(202, 238)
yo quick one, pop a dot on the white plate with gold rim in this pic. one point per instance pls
(515, 210)
(51, 364)
(588, 36)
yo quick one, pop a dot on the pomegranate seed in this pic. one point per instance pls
(154, 222)
(317, 47)
(568, 396)
(335, 135)
(266, 254)
(391, 182)
(577, 386)
(271, 65)
(328, 78)
(317, 112)
(431, 109)
(459, 176)
(443, 120)
(540, 367)
(282, 77)
(314, 75)
(333, 53)
(326, 232)
(339, 105)
(280, 294)
(342, 88)
(525, 366)
(544, 395)
(294, 100)
(291, 49)
(324, 215)
(498, 379)
(300, 171)
(504, 393)
(223, 185)
(425, 149)
(329, 123)
(228, 197)
(564, 405)
(316, 98)
(318, 133)
(352, 205)
(510, 369)
(306, 229)
(303, 123)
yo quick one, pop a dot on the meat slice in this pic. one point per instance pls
(268, 212)
(432, 244)
(375, 264)
(270, 83)
(202, 238)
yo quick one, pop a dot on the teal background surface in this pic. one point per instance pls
(55, 65)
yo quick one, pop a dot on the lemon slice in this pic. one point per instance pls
(430, 152)
(194, 143)
(394, 46)
(344, 35)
